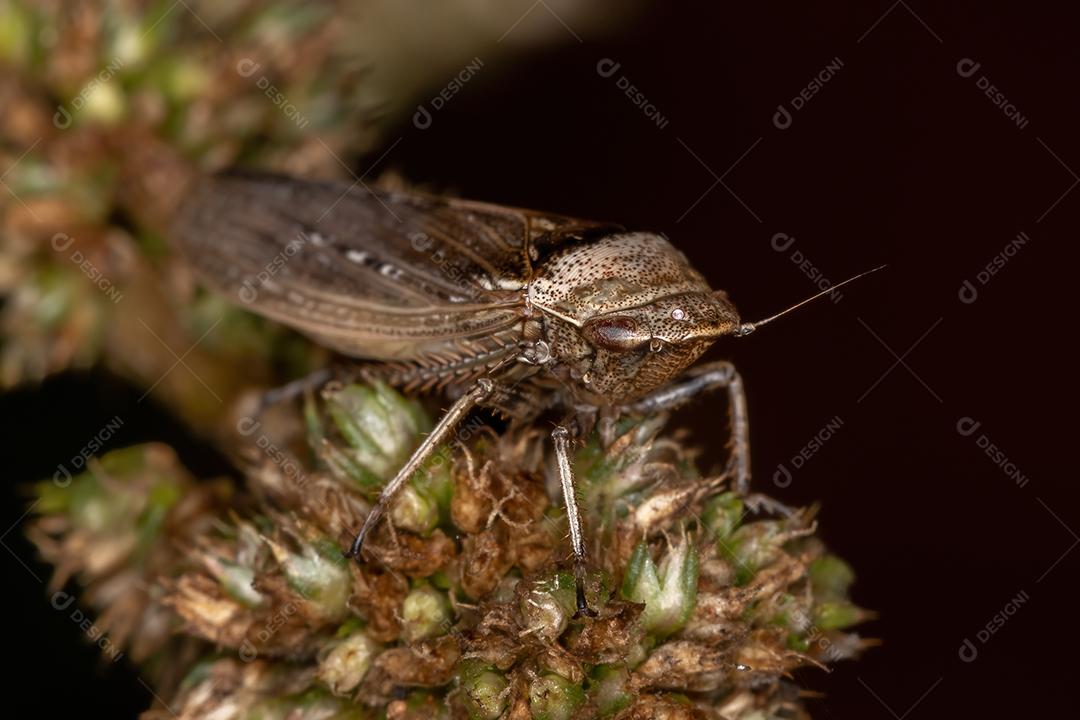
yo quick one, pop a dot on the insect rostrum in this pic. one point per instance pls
(509, 309)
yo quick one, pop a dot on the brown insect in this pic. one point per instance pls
(508, 309)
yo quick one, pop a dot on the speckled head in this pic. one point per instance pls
(628, 313)
(639, 349)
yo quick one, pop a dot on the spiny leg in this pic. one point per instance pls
(479, 392)
(560, 436)
(711, 376)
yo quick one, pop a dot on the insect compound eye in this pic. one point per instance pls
(618, 334)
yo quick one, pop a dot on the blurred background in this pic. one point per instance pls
(780, 146)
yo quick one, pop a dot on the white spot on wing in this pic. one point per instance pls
(390, 271)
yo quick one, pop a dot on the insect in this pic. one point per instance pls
(508, 309)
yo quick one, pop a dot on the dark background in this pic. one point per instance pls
(898, 159)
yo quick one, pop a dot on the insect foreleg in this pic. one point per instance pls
(481, 390)
(711, 376)
(561, 438)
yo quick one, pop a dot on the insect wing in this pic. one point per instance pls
(372, 274)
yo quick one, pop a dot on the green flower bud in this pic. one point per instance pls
(15, 32)
(104, 103)
(318, 573)
(184, 79)
(414, 511)
(607, 689)
(837, 615)
(485, 690)
(128, 43)
(723, 514)
(425, 613)
(344, 666)
(798, 643)
(831, 577)
(753, 547)
(669, 592)
(145, 483)
(381, 428)
(236, 580)
(380, 425)
(548, 605)
(553, 697)
(346, 468)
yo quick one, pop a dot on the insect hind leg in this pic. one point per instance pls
(560, 436)
(481, 390)
(705, 378)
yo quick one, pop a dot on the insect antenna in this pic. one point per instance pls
(747, 328)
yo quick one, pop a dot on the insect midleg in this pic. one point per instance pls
(560, 436)
(481, 390)
(295, 388)
(711, 376)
